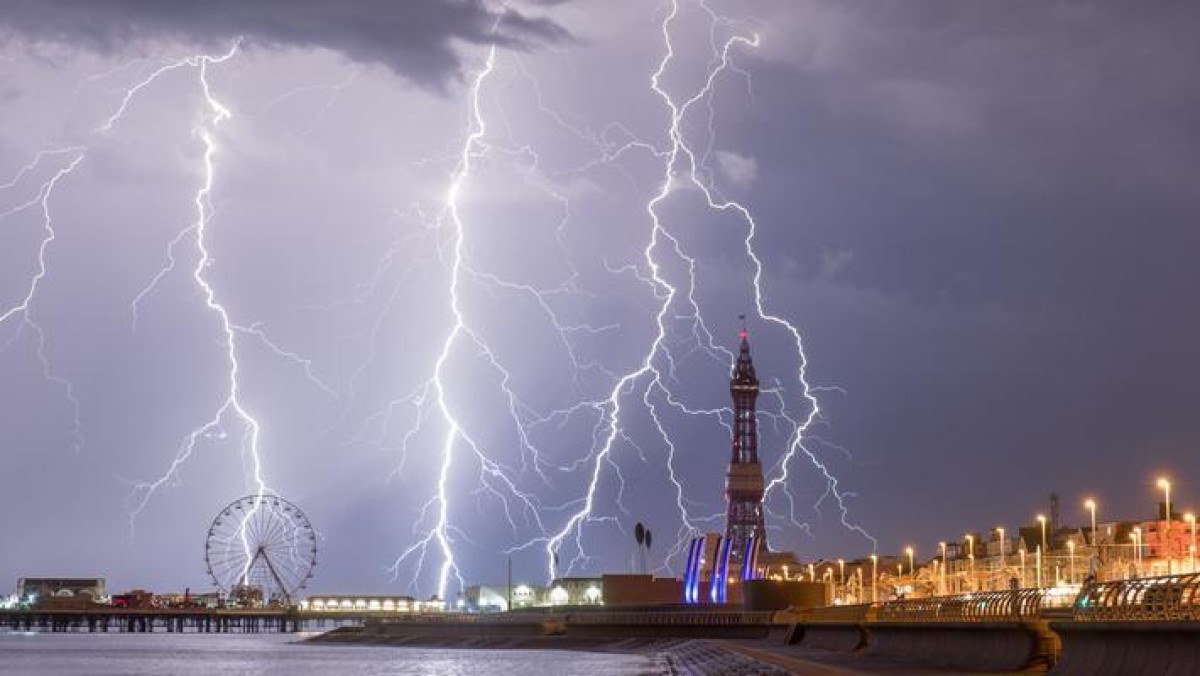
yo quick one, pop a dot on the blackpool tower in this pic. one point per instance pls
(744, 481)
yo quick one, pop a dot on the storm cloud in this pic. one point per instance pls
(414, 39)
(984, 218)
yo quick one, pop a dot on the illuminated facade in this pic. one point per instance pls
(367, 604)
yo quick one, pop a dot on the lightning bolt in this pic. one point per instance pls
(22, 310)
(682, 166)
(664, 265)
(231, 410)
(440, 534)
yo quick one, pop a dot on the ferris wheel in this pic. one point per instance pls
(261, 549)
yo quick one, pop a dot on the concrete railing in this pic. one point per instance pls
(977, 631)
(1170, 597)
(1144, 626)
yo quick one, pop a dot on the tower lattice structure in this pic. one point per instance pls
(744, 481)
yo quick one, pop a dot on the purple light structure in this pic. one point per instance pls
(718, 585)
(750, 560)
(691, 574)
(714, 577)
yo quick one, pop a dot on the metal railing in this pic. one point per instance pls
(856, 613)
(1170, 597)
(990, 606)
(429, 618)
(688, 618)
(673, 618)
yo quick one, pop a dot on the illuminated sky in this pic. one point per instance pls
(981, 217)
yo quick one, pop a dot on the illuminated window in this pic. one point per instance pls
(592, 595)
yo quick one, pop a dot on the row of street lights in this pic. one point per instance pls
(1040, 554)
(1168, 517)
(1091, 506)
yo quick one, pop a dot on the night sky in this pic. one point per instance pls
(981, 217)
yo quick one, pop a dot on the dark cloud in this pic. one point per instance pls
(414, 39)
(983, 217)
(1012, 187)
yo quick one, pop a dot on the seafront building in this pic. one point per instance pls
(1044, 553)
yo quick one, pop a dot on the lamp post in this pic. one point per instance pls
(942, 585)
(1071, 561)
(1041, 518)
(1133, 543)
(1090, 504)
(1137, 548)
(971, 558)
(1000, 530)
(874, 577)
(1021, 551)
(842, 576)
(1191, 519)
(1165, 484)
(1037, 557)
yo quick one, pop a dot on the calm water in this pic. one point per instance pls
(206, 654)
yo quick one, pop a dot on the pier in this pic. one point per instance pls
(171, 620)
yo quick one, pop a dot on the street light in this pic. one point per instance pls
(1133, 543)
(1021, 551)
(1000, 530)
(1165, 484)
(1037, 555)
(1191, 519)
(1041, 518)
(1090, 505)
(942, 545)
(912, 570)
(1071, 559)
(874, 576)
(1136, 535)
(971, 557)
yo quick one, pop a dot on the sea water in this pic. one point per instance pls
(276, 654)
